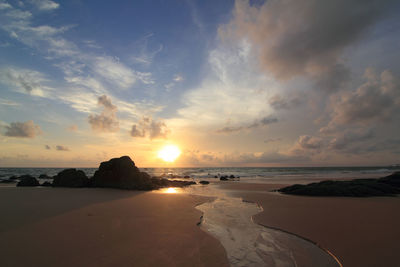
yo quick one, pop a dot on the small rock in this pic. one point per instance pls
(27, 180)
(204, 182)
(71, 178)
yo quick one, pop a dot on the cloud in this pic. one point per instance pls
(348, 138)
(198, 158)
(376, 100)
(307, 145)
(278, 102)
(232, 93)
(178, 78)
(62, 148)
(262, 122)
(310, 142)
(22, 129)
(147, 126)
(107, 120)
(45, 5)
(303, 37)
(25, 81)
(5, 5)
(115, 72)
(7, 102)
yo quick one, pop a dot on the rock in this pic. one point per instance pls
(386, 186)
(7, 181)
(122, 173)
(71, 178)
(45, 176)
(393, 179)
(186, 176)
(27, 180)
(224, 178)
(204, 182)
(46, 184)
(232, 176)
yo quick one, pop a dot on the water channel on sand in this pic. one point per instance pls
(229, 219)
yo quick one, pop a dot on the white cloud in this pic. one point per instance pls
(5, 5)
(7, 102)
(45, 5)
(25, 81)
(232, 93)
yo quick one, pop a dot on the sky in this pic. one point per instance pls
(231, 83)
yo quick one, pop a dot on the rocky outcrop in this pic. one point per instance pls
(71, 178)
(121, 173)
(27, 180)
(386, 186)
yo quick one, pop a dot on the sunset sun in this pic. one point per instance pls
(169, 153)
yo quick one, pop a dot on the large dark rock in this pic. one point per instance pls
(386, 186)
(204, 182)
(122, 173)
(71, 178)
(393, 179)
(27, 180)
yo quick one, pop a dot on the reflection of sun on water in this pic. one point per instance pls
(171, 190)
(169, 153)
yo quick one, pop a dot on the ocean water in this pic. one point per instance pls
(249, 174)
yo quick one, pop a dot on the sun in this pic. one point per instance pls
(169, 153)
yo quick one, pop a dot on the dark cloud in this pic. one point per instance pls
(278, 102)
(22, 129)
(346, 139)
(152, 128)
(62, 148)
(304, 37)
(107, 120)
(310, 142)
(135, 132)
(260, 123)
(374, 101)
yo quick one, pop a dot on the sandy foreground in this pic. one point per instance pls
(359, 231)
(103, 227)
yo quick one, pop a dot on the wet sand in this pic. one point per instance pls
(103, 227)
(359, 231)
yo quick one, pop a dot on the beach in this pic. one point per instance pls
(103, 227)
(225, 223)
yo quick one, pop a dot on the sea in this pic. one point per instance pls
(244, 174)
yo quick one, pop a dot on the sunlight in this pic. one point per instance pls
(170, 190)
(169, 153)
